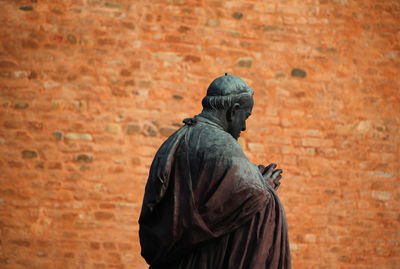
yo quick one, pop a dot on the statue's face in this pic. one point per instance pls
(237, 122)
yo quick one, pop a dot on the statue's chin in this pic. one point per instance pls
(236, 136)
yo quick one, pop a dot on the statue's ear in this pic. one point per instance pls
(232, 111)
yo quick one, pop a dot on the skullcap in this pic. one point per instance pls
(227, 85)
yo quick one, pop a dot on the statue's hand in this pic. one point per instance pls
(271, 175)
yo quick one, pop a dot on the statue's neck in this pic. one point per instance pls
(217, 117)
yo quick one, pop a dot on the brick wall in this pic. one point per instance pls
(91, 88)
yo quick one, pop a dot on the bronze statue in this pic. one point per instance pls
(205, 205)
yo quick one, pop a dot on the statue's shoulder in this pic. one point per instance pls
(213, 141)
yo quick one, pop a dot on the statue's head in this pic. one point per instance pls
(231, 98)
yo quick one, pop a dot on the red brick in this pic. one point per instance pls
(95, 245)
(108, 245)
(101, 215)
(22, 243)
(112, 85)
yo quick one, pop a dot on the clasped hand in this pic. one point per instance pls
(271, 175)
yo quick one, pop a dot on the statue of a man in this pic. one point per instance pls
(205, 205)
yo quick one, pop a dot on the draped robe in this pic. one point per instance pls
(207, 207)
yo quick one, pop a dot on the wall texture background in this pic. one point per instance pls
(89, 89)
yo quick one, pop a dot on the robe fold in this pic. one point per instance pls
(207, 207)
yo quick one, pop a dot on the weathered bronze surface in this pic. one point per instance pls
(205, 205)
